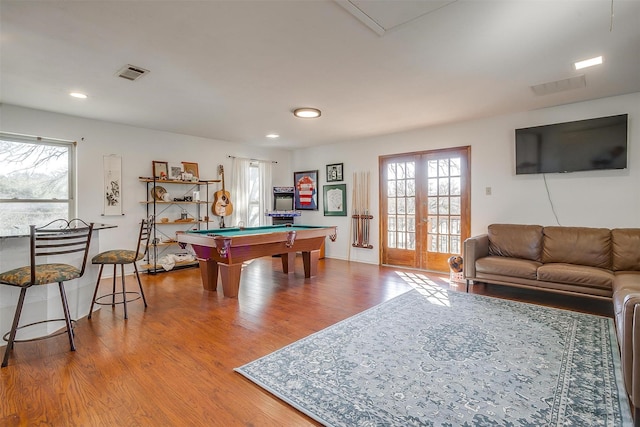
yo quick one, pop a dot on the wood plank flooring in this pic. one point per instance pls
(172, 364)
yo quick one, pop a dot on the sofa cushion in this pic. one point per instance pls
(627, 281)
(577, 245)
(576, 275)
(503, 266)
(626, 249)
(515, 241)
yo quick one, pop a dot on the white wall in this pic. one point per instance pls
(138, 147)
(596, 199)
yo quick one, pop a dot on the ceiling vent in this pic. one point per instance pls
(131, 72)
(560, 85)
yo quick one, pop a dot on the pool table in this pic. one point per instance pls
(225, 249)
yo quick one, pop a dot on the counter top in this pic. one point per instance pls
(24, 231)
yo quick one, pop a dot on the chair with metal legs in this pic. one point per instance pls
(122, 257)
(59, 238)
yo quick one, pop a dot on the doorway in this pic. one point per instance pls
(425, 207)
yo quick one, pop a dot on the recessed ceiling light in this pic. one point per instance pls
(588, 63)
(307, 113)
(273, 135)
(78, 95)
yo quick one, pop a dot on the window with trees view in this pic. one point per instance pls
(37, 178)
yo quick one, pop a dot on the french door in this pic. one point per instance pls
(425, 207)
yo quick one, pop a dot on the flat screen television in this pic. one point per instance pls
(583, 145)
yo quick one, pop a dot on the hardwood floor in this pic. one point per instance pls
(172, 364)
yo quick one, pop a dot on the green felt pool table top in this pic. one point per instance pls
(236, 231)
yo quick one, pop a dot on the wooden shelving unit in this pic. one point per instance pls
(163, 238)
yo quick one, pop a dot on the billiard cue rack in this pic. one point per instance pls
(361, 225)
(361, 219)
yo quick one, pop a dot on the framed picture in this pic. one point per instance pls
(191, 168)
(305, 190)
(112, 172)
(160, 169)
(175, 171)
(335, 200)
(334, 172)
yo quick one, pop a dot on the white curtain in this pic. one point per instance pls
(266, 192)
(242, 189)
(240, 193)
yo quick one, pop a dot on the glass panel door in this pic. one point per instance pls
(398, 176)
(444, 182)
(424, 207)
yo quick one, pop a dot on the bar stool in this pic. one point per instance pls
(58, 238)
(122, 257)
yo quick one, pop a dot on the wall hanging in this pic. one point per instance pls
(112, 188)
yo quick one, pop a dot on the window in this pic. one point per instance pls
(37, 177)
(254, 195)
(444, 201)
(401, 205)
(251, 191)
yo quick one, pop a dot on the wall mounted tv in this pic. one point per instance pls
(583, 145)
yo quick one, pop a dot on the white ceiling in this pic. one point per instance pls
(234, 70)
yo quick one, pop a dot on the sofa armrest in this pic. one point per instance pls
(474, 248)
(626, 305)
(635, 373)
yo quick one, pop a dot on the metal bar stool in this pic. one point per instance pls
(58, 238)
(122, 257)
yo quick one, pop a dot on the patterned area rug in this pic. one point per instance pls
(443, 358)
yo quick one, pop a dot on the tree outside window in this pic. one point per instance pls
(36, 181)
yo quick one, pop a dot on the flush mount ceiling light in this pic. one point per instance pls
(272, 135)
(78, 95)
(588, 63)
(307, 113)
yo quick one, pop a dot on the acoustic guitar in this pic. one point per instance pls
(222, 199)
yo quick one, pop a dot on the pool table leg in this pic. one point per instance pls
(230, 275)
(310, 261)
(209, 273)
(288, 262)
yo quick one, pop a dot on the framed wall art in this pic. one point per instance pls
(112, 173)
(175, 171)
(334, 172)
(305, 190)
(160, 169)
(335, 200)
(191, 168)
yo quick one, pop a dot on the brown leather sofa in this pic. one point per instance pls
(590, 262)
